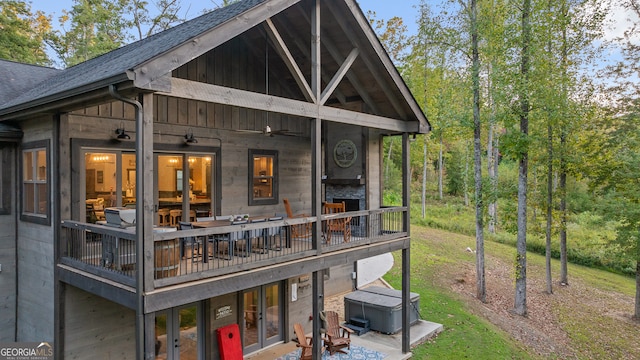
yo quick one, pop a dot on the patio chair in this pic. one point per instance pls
(336, 337)
(300, 231)
(342, 225)
(304, 342)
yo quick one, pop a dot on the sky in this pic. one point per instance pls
(385, 9)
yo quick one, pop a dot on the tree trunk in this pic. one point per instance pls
(564, 277)
(465, 177)
(549, 206)
(477, 155)
(491, 160)
(549, 181)
(440, 169)
(424, 178)
(636, 314)
(520, 304)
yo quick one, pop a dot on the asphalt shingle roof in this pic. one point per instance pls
(117, 62)
(17, 77)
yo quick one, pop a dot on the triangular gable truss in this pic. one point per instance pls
(316, 97)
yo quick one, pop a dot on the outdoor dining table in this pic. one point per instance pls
(229, 239)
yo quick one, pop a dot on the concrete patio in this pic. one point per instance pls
(391, 345)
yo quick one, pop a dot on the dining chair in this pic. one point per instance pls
(192, 245)
(258, 238)
(273, 232)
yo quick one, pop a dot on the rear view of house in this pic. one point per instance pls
(143, 191)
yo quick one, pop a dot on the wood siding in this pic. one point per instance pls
(96, 328)
(8, 275)
(35, 260)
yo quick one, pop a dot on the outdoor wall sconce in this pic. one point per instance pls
(189, 138)
(122, 135)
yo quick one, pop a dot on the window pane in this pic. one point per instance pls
(263, 173)
(200, 185)
(29, 201)
(41, 160)
(28, 165)
(42, 198)
(128, 179)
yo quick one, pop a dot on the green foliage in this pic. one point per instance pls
(456, 173)
(23, 32)
(465, 335)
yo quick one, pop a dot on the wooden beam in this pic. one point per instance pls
(288, 59)
(337, 57)
(147, 72)
(285, 25)
(186, 89)
(344, 68)
(177, 295)
(343, 22)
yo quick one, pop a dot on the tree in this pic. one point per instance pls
(166, 15)
(520, 304)
(23, 33)
(622, 181)
(96, 27)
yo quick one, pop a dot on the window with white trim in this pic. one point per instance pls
(35, 182)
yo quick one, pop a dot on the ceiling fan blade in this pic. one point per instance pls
(250, 131)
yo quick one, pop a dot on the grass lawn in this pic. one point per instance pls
(579, 312)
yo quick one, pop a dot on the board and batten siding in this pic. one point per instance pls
(36, 257)
(96, 328)
(8, 245)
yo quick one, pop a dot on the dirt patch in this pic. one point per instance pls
(553, 319)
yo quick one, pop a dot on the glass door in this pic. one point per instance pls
(262, 320)
(178, 333)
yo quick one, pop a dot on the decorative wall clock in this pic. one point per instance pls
(345, 153)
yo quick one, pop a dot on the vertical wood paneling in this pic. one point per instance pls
(97, 328)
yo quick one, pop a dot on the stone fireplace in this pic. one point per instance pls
(354, 199)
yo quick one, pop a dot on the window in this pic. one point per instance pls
(35, 182)
(263, 177)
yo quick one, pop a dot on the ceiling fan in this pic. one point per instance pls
(268, 131)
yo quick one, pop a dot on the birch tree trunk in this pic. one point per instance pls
(549, 206)
(520, 303)
(481, 291)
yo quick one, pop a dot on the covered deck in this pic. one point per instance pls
(108, 254)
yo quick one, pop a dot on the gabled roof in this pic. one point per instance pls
(17, 77)
(145, 62)
(113, 66)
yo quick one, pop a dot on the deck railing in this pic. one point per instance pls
(185, 255)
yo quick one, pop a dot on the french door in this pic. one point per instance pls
(262, 320)
(179, 334)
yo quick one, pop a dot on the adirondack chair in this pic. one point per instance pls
(342, 225)
(304, 342)
(336, 337)
(300, 231)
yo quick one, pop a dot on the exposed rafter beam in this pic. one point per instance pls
(288, 59)
(285, 26)
(342, 21)
(344, 68)
(148, 72)
(233, 97)
(337, 57)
